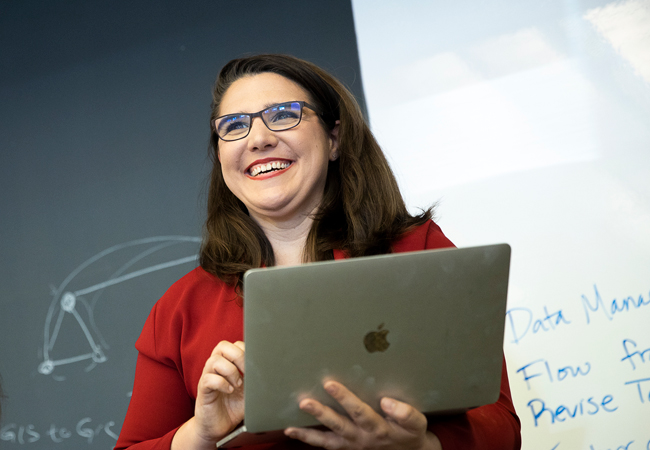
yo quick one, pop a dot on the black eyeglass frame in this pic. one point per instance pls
(259, 114)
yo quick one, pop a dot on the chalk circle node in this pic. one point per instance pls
(46, 367)
(98, 356)
(68, 301)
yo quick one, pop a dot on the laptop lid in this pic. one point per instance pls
(422, 327)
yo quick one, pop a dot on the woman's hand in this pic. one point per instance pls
(219, 399)
(404, 427)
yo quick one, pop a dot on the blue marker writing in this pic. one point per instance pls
(533, 370)
(627, 304)
(518, 316)
(642, 394)
(539, 409)
(644, 355)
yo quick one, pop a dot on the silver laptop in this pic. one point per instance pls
(422, 327)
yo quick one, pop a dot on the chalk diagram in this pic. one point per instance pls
(74, 307)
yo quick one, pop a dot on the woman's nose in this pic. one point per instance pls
(260, 137)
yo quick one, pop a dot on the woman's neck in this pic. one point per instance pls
(287, 238)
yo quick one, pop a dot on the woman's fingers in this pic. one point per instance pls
(402, 427)
(226, 361)
(404, 415)
(241, 346)
(220, 401)
(316, 438)
(211, 382)
(342, 430)
(361, 413)
(328, 417)
(232, 351)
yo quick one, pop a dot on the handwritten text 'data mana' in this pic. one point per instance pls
(521, 321)
(615, 307)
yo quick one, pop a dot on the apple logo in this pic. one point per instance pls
(375, 341)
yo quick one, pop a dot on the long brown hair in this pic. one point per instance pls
(362, 210)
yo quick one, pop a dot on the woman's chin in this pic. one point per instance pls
(281, 209)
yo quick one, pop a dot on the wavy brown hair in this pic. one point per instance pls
(362, 210)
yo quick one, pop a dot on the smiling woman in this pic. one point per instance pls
(297, 177)
(301, 151)
(361, 212)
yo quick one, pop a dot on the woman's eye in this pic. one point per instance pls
(286, 114)
(237, 125)
(233, 125)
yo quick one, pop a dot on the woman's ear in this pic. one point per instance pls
(334, 141)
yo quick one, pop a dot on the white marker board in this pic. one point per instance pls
(530, 123)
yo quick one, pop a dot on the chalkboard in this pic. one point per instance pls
(104, 131)
(529, 122)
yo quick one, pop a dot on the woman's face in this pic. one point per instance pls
(302, 153)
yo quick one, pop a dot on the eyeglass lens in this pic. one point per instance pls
(277, 118)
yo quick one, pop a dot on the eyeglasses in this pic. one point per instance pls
(280, 117)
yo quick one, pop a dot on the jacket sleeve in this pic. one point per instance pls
(489, 427)
(160, 401)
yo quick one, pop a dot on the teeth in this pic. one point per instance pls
(262, 168)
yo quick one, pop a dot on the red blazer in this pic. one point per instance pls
(199, 311)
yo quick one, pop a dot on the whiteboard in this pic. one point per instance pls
(529, 123)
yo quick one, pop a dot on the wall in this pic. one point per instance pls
(103, 167)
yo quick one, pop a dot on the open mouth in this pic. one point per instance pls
(261, 169)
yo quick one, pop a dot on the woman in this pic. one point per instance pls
(297, 177)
